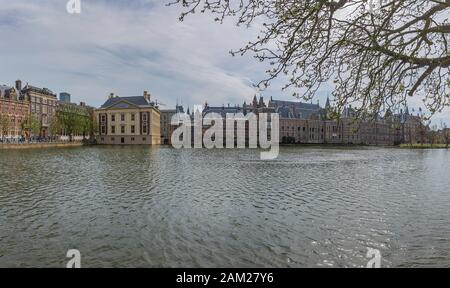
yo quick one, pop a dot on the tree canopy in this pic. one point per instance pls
(32, 125)
(5, 124)
(375, 54)
(74, 120)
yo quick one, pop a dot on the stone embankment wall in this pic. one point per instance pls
(39, 145)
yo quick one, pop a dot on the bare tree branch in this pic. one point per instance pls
(375, 59)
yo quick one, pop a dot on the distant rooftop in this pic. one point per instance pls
(298, 105)
(294, 109)
(222, 110)
(140, 101)
(39, 90)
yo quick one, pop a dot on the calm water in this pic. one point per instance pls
(160, 207)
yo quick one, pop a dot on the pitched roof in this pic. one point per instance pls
(297, 105)
(139, 101)
(222, 110)
(3, 89)
(297, 110)
(45, 91)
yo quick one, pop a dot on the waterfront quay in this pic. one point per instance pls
(41, 145)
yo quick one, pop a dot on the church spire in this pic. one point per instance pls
(261, 102)
(255, 101)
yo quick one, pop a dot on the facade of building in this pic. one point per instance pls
(256, 107)
(166, 127)
(137, 120)
(304, 123)
(128, 121)
(409, 128)
(64, 97)
(14, 110)
(308, 124)
(43, 105)
(444, 136)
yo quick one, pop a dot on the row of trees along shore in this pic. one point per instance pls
(69, 120)
(72, 120)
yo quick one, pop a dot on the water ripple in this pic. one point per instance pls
(160, 207)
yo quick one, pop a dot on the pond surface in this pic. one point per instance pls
(161, 207)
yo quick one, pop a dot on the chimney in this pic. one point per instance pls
(147, 96)
(111, 95)
(19, 85)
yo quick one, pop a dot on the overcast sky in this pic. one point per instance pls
(126, 47)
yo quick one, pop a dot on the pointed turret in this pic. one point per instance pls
(388, 113)
(179, 109)
(261, 102)
(328, 105)
(255, 102)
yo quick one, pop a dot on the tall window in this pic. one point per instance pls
(132, 129)
(122, 117)
(113, 118)
(113, 129)
(132, 117)
(144, 123)
(122, 129)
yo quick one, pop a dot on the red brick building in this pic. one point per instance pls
(13, 111)
(43, 105)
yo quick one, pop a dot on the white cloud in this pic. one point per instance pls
(111, 46)
(126, 47)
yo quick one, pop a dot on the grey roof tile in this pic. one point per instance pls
(135, 100)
